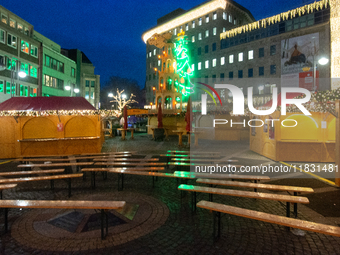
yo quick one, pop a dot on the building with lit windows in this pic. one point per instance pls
(19, 51)
(227, 45)
(88, 82)
(58, 71)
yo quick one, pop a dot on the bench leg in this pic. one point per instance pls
(0, 194)
(295, 207)
(193, 201)
(218, 216)
(69, 187)
(52, 184)
(288, 213)
(6, 219)
(255, 190)
(102, 223)
(93, 179)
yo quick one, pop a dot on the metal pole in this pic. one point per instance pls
(314, 73)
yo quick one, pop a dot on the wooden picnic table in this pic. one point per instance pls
(124, 132)
(180, 136)
(64, 204)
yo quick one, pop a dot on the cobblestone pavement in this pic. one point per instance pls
(164, 222)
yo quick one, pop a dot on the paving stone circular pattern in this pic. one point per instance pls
(33, 230)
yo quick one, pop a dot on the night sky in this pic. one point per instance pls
(109, 31)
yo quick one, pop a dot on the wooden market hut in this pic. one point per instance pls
(312, 140)
(48, 126)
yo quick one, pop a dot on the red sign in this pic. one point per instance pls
(306, 80)
(60, 127)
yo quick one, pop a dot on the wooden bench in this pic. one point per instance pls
(266, 217)
(129, 164)
(6, 186)
(107, 153)
(145, 173)
(239, 193)
(254, 178)
(93, 171)
(104, 206)
(68, 177)
(51, 165)
(126, 159)
(195, 152)
(256, 186)
(203, 160)
(53, 171)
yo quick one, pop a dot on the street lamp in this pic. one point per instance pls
(71, 87)
(21, 74)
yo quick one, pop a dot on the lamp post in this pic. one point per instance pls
(21, 74)
(72, 88)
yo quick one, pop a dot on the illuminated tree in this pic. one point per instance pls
(121, 100)
(184, 71)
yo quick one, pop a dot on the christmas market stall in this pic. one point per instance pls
(49, 126)
(295, 136)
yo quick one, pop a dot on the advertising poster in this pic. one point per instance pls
(297, 61)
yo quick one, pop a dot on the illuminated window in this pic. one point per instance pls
(8, 88)
(200, 21)
(206, 33)
(87, 83)
(2, 36)
(175, 31)
(147, 55)
(33, 92)
(33, 72)
(4, 19)
(12, 23)
(150, 54)
(73, 72)
(186, 27)
(181, 29)
(159, 63)
(27, 31)
(251, 54)
(2, 85)
(214, 15)
(154, 52)
(231, 59)
(193, 67)
(20, 28)
(214, 62)
(11, 40)
(223, 30)
(240, 57)
(92, 95)
(199, 66)
(193, 24)
(207, 19)
(222, 61)
(25, 46)
(235, 22)
(230, 18)
(87, 94)
(24, 67)
(214, 31)
(199, 36)
(193, 38)
(34, 51)
(225, 15)
(206, 64)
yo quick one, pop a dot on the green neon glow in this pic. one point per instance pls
(184, 71)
